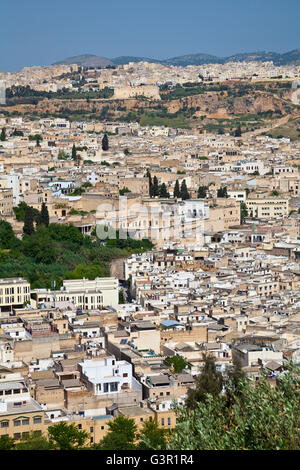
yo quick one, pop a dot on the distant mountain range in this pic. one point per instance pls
(86, 60)
(89, 60)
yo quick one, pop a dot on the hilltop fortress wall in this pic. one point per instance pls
(125, 92)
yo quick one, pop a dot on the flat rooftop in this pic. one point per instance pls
(134, 411)
(102, 417)
(29, 407)
(13, 280)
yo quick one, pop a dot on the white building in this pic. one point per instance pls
(238, 194)
(107, 375)
(246, 166)
(83, 293)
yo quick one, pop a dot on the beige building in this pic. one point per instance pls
(6, 202)
(143, 335)
(20, 414)
(14, 292)
(269, 207)
(289, 185)
(223, 214)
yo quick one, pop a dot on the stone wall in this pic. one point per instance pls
(125, 92)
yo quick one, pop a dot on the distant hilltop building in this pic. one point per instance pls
(125, 92)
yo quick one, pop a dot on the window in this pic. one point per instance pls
(169, 421)
(91, 429)
(79, 426)
(17, 435)
(25, 421)
(114, 387)
(162, 421)
(37, 420)
(17, 422)
(4, 424)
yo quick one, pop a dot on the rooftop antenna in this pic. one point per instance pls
(53, 291)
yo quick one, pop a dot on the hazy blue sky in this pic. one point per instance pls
(37, 32)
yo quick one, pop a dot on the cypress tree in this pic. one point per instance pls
(155, 187)
(28, 227)
(44, 218)
(3, 134)
(238, 132)
(176, 189)
(74, 154)
(202, 190)
(105, 142)
(222, 192)
(244, 212)
(148, 174)
(163, 191)
(184, 194)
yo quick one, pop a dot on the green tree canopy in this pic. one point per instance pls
(202, 191)
(210, 381)
(8, 239)
(89, 272)
(151, 437)
(124, 191)
(177, 362)
(222, 192)
(28, 227)
(261, 417)
(37, 137)
(40, 246)
(33, 442)
(6, 443)
(65, 436)
(121, 435)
